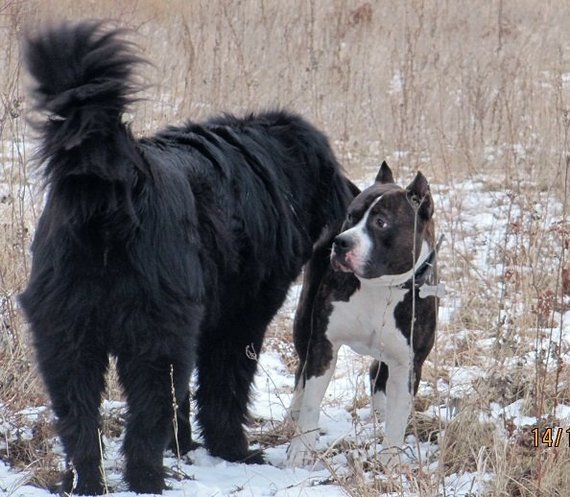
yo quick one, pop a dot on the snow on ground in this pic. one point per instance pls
(487, 221)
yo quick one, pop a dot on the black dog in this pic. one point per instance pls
(374, 296)
(164, 252)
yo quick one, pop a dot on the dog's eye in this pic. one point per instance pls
(381, 223)
(349, 217)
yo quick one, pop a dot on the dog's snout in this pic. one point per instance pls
(342, 244)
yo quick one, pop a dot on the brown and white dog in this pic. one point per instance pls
(376, 295)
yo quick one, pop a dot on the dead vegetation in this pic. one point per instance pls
(472, 93)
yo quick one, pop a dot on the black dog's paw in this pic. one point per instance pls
(254, 457)
(83, 486)
(183, 446)
(243, 455)
(145, 479)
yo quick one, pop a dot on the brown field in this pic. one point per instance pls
(467, 91)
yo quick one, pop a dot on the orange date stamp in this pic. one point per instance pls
(551, 437)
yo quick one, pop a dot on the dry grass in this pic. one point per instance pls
(463, 90)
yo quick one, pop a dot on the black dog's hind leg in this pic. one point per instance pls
(181, 441)
(75, 380)
(227, 363)
(147, 385)
(226, 368)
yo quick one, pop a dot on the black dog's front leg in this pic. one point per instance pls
(181, 441)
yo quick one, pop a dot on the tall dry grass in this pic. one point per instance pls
(466, 91)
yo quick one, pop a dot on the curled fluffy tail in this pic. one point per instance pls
(84, 76)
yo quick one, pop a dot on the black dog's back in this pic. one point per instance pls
(160, 251)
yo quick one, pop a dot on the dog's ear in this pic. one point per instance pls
(354, 190)
(384, 174)
(419, 195)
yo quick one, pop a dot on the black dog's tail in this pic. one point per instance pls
(85, 80)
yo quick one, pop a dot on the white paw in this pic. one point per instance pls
(300, 452)
(391, 458)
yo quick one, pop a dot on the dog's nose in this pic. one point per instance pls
(342, 244)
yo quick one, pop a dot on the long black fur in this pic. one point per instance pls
(165, 252)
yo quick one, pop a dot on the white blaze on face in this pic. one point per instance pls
(359, 254)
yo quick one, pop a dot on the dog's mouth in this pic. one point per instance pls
(340, 265)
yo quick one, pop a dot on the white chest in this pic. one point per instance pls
(366, 323)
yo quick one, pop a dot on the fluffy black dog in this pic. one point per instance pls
(165, 252)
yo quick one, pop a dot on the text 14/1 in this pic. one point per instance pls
(551, 437)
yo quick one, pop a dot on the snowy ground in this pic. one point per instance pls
(349, 436)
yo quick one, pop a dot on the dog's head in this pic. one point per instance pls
(382, 225)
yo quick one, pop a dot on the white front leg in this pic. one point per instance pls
(296, 403)
(378, 406)
(398, 407)
(301, 450)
